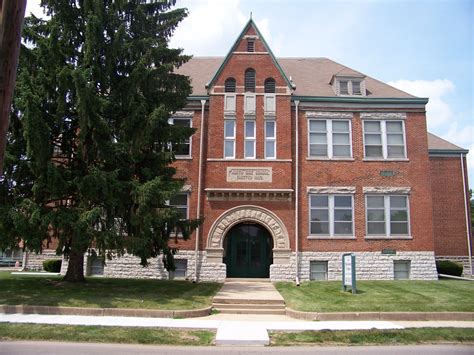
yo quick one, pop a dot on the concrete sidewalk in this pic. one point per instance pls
(231, 329)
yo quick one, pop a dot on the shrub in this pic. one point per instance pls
(448, 267)
(52, 265)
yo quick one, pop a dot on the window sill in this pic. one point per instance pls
(388, 159)
(183, 157)
(327, 237)
(330, 159)
(253, 160)
(387, 237)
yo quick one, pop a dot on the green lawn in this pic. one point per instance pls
(381, 296)
(374, 337)
(96, 334)
(105, 293)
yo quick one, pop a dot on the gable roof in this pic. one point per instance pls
(249, 24)
(312, 76)
(439, 145)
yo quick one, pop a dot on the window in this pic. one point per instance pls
(270, 139)
(401, 269)
(9, 257)
(250, 45)
(96, 266)
(249, 139)
(249, 80)
(181, 149)
(331, 215)
(343, 87)
(269, 86)
(318, 270)
(180, 202)
(384, 139)
(387, 215)
(356, 88)
(229, 139)
(350, 87)
(329, 139)
(229, 85)
(181, 266)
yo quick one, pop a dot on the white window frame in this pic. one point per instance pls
(270, 139)
(173, 275)
(229, 138)
(386, 207)
(181, 206)
(383, 130)
(402, 262)
(331, 210)
(171, 121)
(329, 139)
(250, 139)
(321, 262)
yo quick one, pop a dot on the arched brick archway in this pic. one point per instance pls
(249, 213)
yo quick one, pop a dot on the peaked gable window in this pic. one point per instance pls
(250, 80)
(250, 45)
(270, 86)
(229, 85)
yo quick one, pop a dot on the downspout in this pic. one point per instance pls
(297, 102)
(198, 208)
(466, 209)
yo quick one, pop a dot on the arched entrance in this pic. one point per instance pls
(248, 251)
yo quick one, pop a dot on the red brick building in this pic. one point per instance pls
(298, 160)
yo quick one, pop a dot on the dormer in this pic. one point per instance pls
(348, 82)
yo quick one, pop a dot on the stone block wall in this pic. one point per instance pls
(372, 265)
(463, 260)
(34, 261)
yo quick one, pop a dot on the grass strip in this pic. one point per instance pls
(99, 334)
(106, 292)
(380, 296)
(374, 337)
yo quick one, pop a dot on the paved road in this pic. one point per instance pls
(50, 348)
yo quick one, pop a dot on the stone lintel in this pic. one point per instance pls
(383, 115)
(183, 114)
(331, 189)
(318, 114)
(386, 190)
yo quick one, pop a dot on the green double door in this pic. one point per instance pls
(249, 251)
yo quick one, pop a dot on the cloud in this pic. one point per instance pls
(438, 111)
(441, 118)
(210, 28)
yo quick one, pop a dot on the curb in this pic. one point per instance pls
(389, 316)
(114, 312)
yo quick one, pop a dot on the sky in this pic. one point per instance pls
(424, 47)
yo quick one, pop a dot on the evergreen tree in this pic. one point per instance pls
(88, 156)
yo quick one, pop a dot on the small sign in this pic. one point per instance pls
(239, 174)
(389, 252)
(388, 173)
(348, 272)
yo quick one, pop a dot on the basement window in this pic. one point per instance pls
(318, 270)
(181, 269)
(401, 269)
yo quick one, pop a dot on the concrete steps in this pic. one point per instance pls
(249, 297)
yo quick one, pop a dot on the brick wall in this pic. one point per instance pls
(448, 206)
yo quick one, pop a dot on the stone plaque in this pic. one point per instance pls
(240, 174)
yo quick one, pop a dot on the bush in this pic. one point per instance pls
(52, 265)
(448, 267)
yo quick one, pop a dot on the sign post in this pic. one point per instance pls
(349, 272)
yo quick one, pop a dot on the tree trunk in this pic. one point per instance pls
(75, 267)
(11, 21)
